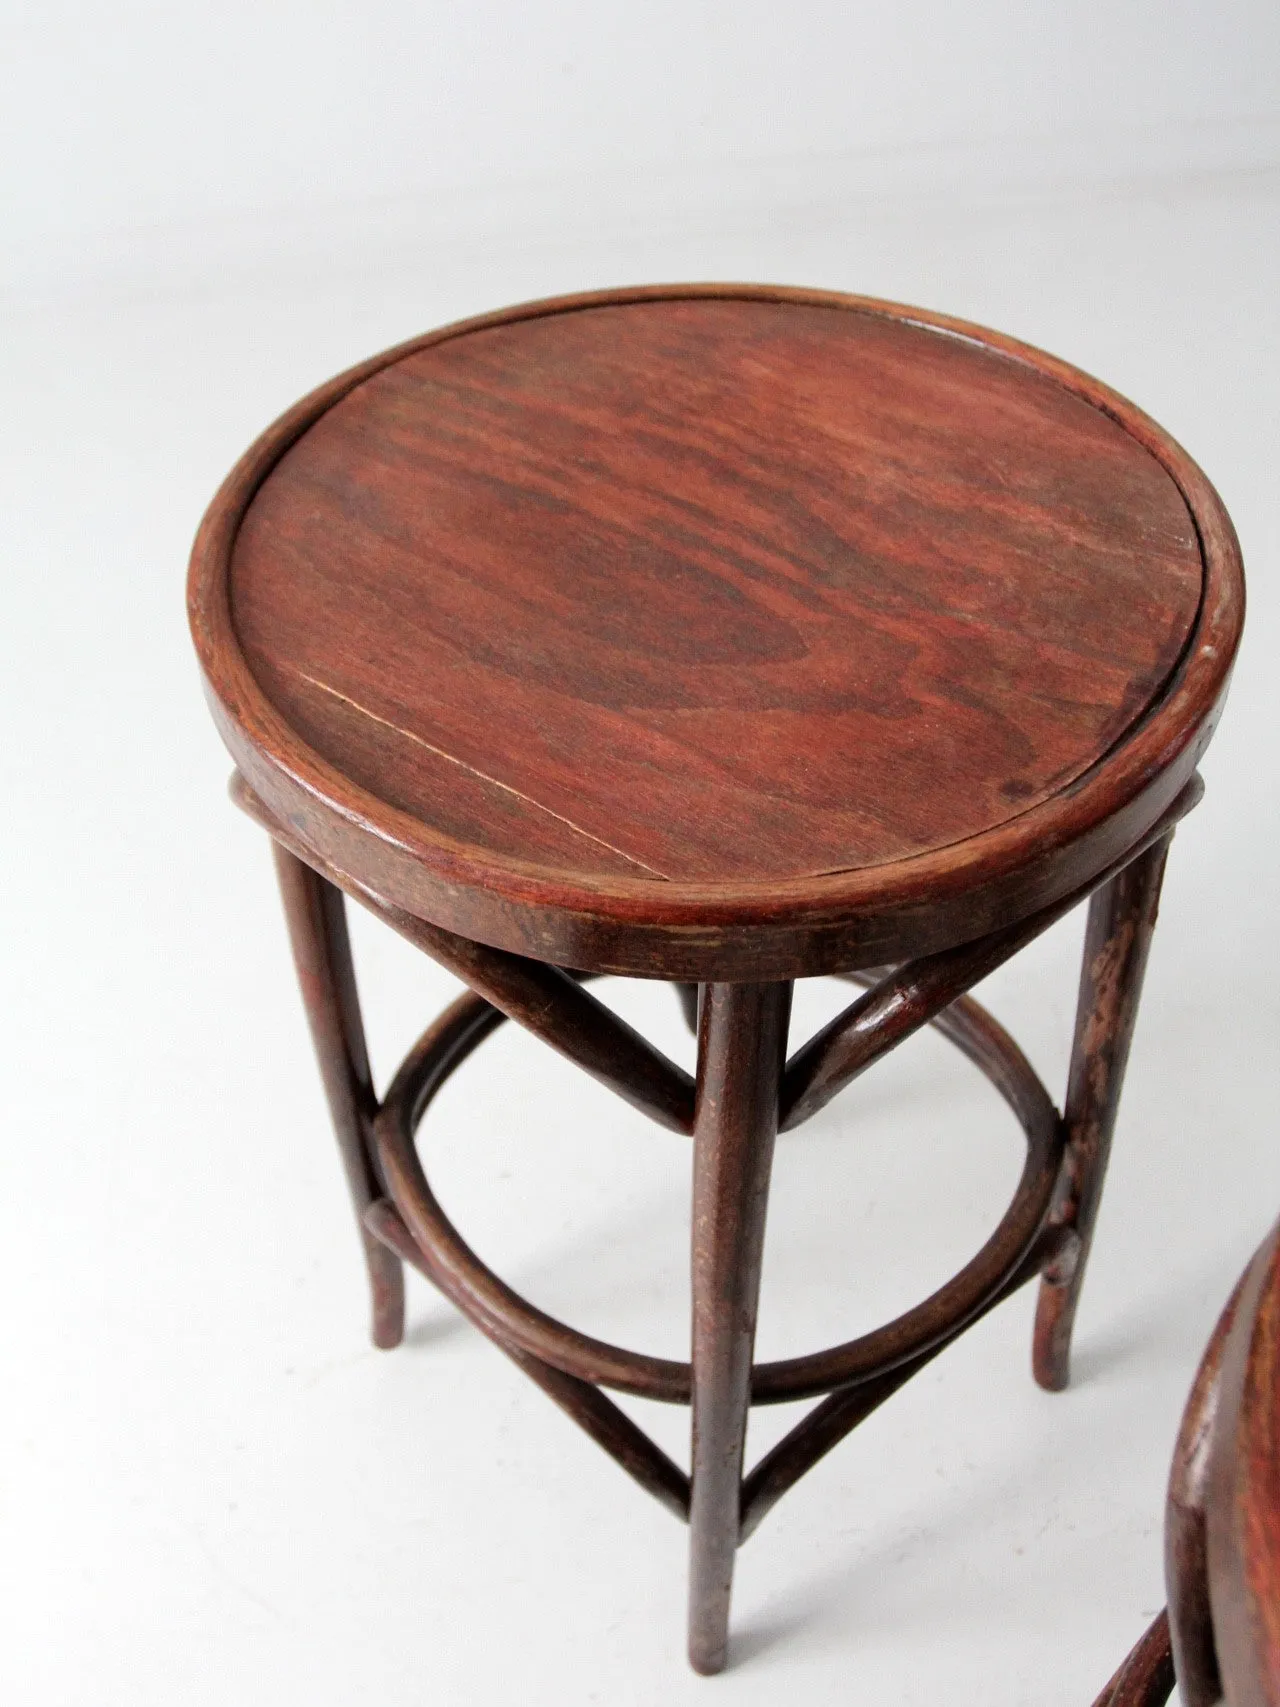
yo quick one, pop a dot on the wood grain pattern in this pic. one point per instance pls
(728, 635)
(605, 1423)
(1221, 1634)
(1242, 1503)
(716, 632)
(1186, 1558)
(1122, 922)
(742, 1044)
(713, 591)
(315, 912)
(1146, 1678)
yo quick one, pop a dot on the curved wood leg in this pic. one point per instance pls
(741, 1050)
(1146, 1678)
(1186, 1536)
(688, 994)
(1122, 917)
(316, 914)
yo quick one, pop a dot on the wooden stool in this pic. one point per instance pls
(1220, 1634)
(727, 636)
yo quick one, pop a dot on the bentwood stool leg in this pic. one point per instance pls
(316, 913)
(742, 1044)
(1122, 918)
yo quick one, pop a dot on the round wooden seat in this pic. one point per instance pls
(729, 636)
(716, 633)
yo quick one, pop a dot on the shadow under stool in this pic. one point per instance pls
(728, 636)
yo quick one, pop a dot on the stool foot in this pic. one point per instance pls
(316, 914)
(1122, 917)
(741, 1050)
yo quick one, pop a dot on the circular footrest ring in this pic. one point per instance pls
(514, 1322)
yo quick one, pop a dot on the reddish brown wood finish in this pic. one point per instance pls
(1146, 1678)
(1221, 1635)
(316, 915)
(543, 998)
(901, 1002)
(827, 1424)
(1242, 1496)
(1186, 1560)
(742, 1044)
(1122, 919)
(724, 635)
(930, 1323)
(858, 1376)
(606, 1424)
(583, 587)
(716, 633)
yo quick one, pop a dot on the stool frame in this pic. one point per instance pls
(525, 920)
(745, 1092)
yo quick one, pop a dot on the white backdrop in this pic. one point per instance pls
(142, 123)
(212, 1491)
